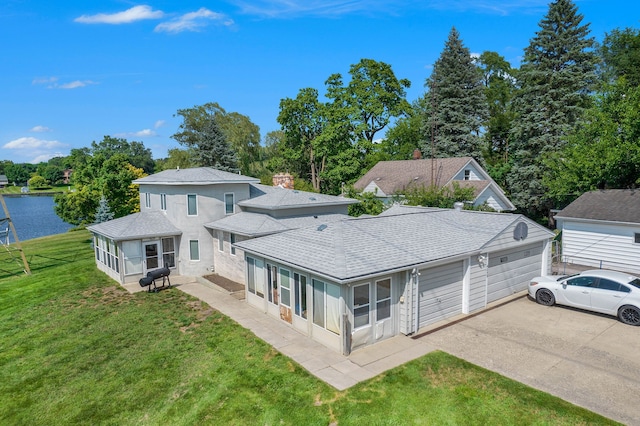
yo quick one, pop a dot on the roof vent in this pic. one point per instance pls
(312, 198)
(458, 206)
(416, 178)
(322, 227)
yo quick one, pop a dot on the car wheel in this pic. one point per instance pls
(629, 315)
(545, 297)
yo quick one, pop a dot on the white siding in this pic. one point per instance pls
(510, 271)
(492, 199)
(601, 245)
(440, 293)
(372, 187)
(474, 173)
(478, 284)
(505, 240)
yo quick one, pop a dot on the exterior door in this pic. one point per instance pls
(151, 256)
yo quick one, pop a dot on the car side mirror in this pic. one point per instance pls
(564, 286)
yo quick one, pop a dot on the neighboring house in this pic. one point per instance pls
(390, 178)
(176, 226)
(66, 176)
(602, 229)
(353, 282)
(3, 181)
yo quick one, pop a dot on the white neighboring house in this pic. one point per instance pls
(389, 178)
(353, 282)
(176, 223)
(602, 229)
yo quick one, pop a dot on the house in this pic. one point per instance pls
(177, 225)
(389, 178)
(355, 281)
(3, 181)
(602, 229)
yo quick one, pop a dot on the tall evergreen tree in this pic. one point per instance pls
(456, 103)
(555, 78)
(213, 149)
(104, 213)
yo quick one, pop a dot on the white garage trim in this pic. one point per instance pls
(440, 293)
(511, 270)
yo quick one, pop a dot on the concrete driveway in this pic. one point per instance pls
(587, 359)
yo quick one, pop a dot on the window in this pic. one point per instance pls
(232, 241)
(300, 288)
(467, 174)
(272, 283)
(220, 240)
(636, 238)
(107, 252)
(581, 281)
(147, 200)
(255, 276)
(168, 253)
(228, 203)
(383, 299)
(132, 252)
(285, 287)
(360, 305)
(192, 205)
(326, 306)
(163, 202)
(503, 259)
(612, 285)
(194, 250)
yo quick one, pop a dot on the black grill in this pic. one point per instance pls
(150, 280)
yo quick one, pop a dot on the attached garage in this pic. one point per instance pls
(440, 293)
(511, 270)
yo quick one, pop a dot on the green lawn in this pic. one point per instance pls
(75, 348)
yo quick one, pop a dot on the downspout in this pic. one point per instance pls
(415, 280)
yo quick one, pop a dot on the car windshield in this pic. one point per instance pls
(635, 282)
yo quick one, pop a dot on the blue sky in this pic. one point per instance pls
(74, 71)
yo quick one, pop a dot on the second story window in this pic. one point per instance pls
(163, 201)
(229, 203)
(467, 174)
(192, 205)
(147, 200)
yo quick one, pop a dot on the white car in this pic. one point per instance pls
(604, 291)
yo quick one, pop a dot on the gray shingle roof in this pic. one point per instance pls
(616, 205)
(136, 226)
(258, 224)
(395, 176)
(276, 198)
(357, 247)
(194, 176)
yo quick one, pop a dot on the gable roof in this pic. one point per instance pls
(612, 205)
(259, 224)
(396, 176)
(194, 176)
(278, 198)
(136, 226)
(355, 248)
(4, 179)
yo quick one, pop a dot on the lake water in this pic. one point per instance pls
(33, 217)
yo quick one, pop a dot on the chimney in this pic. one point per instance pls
(417, 154)
(284, 180)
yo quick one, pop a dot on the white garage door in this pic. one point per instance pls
(440, 293)
(510, 271)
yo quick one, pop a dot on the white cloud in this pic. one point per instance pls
(40, 129)
(43, 158)
(28, 143)
(159, 123)
(73, 84)
(193, 21)
(144, 133)
(136, 13)
(44, 80)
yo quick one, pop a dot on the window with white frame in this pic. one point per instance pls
(300, 290)
(132, 253)
(232, 241)
(194, 250)
(229, 203)
(255, 276)
(285, 287)
(168, 252)
(147, 200)
(361, 304)
(383, 299)
(326, 305)
(163, 202)
(192, 205)
(272, 283)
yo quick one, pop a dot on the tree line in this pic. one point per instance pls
(565, 122)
